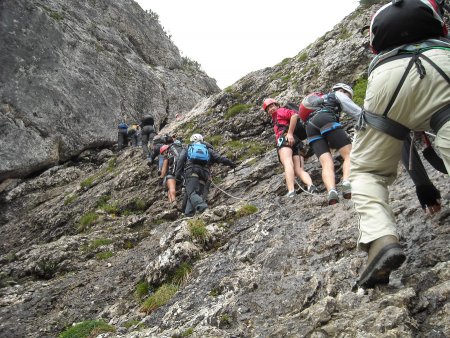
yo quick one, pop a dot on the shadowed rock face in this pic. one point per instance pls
(78, 238)
(70, 71)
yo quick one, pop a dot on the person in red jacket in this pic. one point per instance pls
(288, 146)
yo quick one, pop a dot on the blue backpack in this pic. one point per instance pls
(198, 153)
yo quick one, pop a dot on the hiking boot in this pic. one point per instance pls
(290, 194)
(312, 189)
(333, 197)
(201, 208)
(346, 190)
(385, 255)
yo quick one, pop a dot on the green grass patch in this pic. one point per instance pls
(285, 61)
(96, 243)
(228, 90)
(104, 255)
(112, 164)
(111, 209)
(359, 91)
(87, 183)
(236, 109)
(303, 57)
(87, 220)
(215, 140)
(188, 332)
(181, 274)
(344, 34)
(130, 323)
(90, 328)
(286, 78)
(164, 293)
(142, 290)
(70, 199)
(244, 149)
(197, 229)
(246, 210)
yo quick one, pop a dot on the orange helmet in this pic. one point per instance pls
(267, 102)
(163, 148)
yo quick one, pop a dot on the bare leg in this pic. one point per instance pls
(300, 171)
(328, 177)
(285, 154)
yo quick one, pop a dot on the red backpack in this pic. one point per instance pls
(406, 21)
(310, 104)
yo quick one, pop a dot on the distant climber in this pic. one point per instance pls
(122, 135)
(147, 134)
(195, 161)
(134, 133)
(158, 142)
(321, 114)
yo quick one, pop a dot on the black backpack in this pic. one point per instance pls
(147, 120)
(406, 21)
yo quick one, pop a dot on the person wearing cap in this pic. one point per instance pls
(289, 147)
(325, 132)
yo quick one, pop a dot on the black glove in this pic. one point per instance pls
(428, 195)
(160, 180)
(232, 165)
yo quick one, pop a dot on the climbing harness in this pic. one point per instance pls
(391, 127)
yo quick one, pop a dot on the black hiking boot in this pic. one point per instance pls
(385, 255)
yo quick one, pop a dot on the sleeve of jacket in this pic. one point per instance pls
(348, 106)
(216, 158)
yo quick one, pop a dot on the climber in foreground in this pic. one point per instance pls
(286, 125)
(195, 162)
(408, 89)
(321, 112)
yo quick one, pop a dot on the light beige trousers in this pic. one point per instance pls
(375, 155)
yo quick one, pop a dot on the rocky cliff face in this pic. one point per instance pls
(70, 71)
(93, 238)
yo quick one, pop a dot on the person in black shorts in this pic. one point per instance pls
(325, 133)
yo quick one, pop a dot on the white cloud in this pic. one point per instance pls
(230, 39)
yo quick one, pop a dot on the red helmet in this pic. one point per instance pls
(163, 148)
(267, 102)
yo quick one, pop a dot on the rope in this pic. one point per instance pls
(315, 195)
(238, 198)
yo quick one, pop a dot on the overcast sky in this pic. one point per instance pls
(235, 37)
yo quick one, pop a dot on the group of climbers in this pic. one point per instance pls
(408, 90)
(188, 166)
(318, 120)
(136, 134)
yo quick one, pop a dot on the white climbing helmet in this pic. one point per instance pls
(196, 138)
(343, 86)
